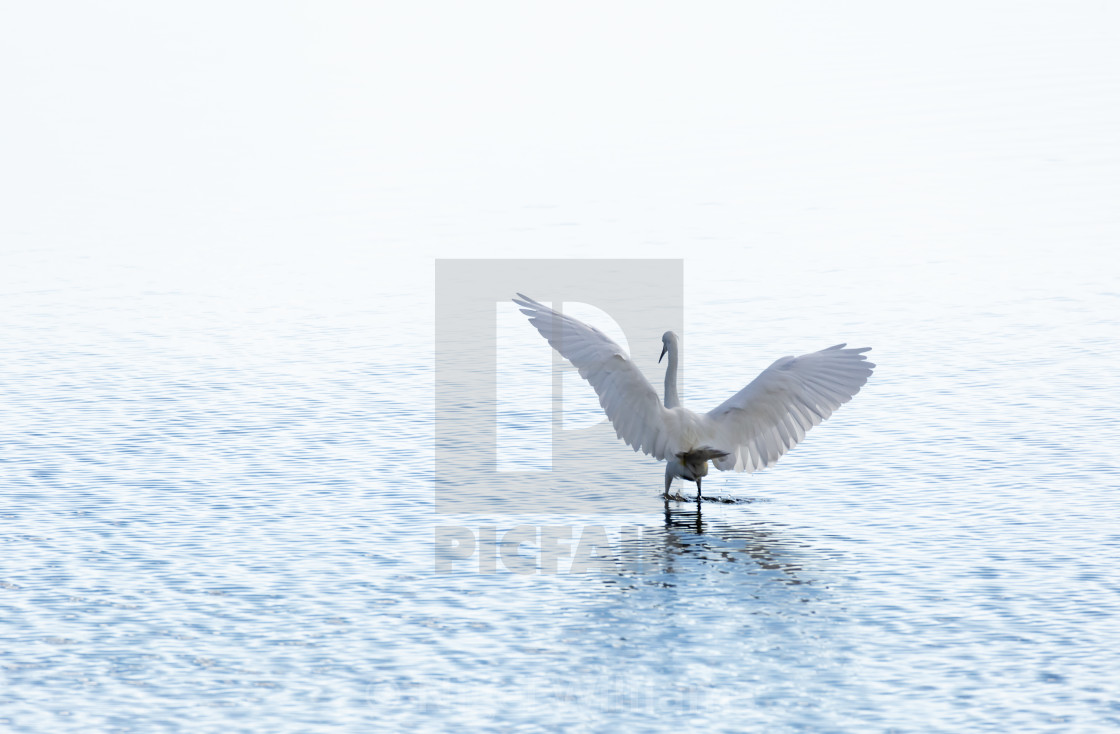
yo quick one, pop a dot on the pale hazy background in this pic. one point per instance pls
(251, 147)
(218, 224)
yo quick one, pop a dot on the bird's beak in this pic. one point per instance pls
(663, 350)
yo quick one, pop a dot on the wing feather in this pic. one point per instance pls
(768, 417)
(626, 396)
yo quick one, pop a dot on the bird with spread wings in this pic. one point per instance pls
(749, 431)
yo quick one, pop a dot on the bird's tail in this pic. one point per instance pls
(696, 461)
(702, 454)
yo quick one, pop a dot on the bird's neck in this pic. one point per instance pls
(672, 400)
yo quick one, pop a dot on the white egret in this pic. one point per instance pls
(749, 431)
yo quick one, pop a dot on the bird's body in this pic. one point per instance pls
(749, 431)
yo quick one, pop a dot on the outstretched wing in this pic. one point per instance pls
(769, 416)
(627, 397)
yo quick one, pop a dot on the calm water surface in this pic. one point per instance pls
(227, 525)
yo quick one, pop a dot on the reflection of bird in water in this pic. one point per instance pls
(749, 431)
(670, 523)
(687, 541)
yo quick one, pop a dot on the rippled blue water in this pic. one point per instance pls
(216, 370)
(220, 518)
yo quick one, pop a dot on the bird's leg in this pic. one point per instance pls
(697, 490)
(668, 480)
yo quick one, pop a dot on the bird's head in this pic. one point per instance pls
(667, 339)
